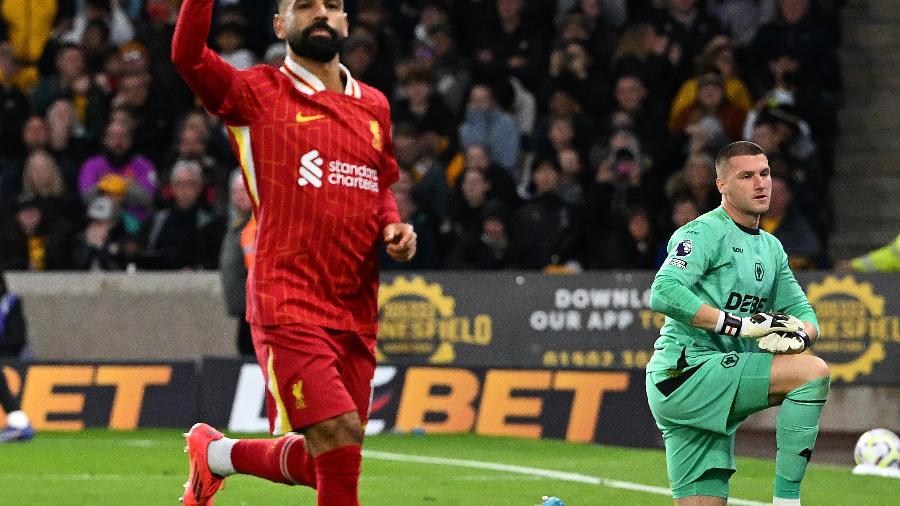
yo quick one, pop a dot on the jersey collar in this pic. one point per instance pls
(746, 230)
(307, 83)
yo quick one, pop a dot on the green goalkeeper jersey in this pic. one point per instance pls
(716, 261)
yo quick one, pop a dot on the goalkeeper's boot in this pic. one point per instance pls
(202, 484)
(16, 434)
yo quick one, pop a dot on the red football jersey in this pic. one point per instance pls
(318, 166)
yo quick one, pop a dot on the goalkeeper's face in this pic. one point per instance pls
(313, 29)
(746, 184)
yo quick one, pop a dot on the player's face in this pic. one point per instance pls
(746, 185)
(313, 29)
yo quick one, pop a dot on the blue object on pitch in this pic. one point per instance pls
(552, 501)
(12, 435)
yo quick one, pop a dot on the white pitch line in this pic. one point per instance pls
(534, 471)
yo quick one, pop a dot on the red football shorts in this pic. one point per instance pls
(313, 373)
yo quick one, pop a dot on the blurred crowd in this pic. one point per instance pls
(532, 134)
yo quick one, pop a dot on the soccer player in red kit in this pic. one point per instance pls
(315, 147)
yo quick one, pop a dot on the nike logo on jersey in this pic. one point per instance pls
(310, 169)
(306, 119)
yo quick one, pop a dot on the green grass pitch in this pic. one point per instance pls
(147, 467)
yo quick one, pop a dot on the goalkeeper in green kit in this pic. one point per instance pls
(736, 324)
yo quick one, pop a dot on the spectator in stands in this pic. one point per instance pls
(558, 135)
(644, 115)
(192, 143)
(643, 52)
(616, 188)
(432, 14)
(42, 178)
(595, 22)
(512, 44)
(545, 228)
(416, 154)
(13, 340)
(118, 157)
(71, 80)
(68, 140)
(230, 43)
(363, 56)
(30, 24)
(32, 241)
(640, 241)
(796, 36)
(718, 55)
(883, 259)
(15, 108)
(420, 107)
(711, 101)
(236, 257)
(796, 51)
(706, 135)
(153, 120)
(216, 143)
(187, 235)
(743, 19)
(689, 29)
(104, 244)
(154, 32)
(452, 76)
(35, 134)
(490, 248)
(801, 243)
(571, 177)
(695, 181)
(95, 46)
(572, 68)
(614, 12)
(501, 185)
(375, 17)
(466, 205)
(33, 138)
(110, 12)
(485, 123)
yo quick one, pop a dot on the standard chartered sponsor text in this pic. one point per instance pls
(353, 176)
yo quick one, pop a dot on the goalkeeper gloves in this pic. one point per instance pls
(788, 343)
(758, 325)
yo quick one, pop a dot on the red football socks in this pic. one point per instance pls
(337, 473)
(282, 460)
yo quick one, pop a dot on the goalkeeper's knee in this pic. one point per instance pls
(814, 390)
(812, 369)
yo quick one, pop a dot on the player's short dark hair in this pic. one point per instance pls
(739, 148)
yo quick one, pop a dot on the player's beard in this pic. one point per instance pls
(321, 49)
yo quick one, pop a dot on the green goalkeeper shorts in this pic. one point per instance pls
(699, 410)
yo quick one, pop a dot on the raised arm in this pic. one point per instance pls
(208, 75)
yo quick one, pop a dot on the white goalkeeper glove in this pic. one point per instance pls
(758, 325)
(787, 343)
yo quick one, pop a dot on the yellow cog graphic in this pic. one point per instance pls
(873, 303)
(434, 294)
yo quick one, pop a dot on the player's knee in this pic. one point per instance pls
(815, 368)
(335, 432)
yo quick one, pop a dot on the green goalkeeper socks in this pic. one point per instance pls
(795, 433)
